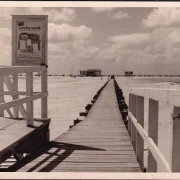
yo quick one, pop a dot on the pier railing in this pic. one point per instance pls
(9, 78)
(159, 111)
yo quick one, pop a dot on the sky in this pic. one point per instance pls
(113, 39)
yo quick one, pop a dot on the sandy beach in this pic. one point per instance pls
(69, 95)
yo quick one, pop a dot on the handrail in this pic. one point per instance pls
(13, 103)
(159, 94)
(12, 86)
(20, 69)
(151, 145)
(163, 153)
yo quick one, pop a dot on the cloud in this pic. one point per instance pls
(102, 9)
(68, 42)
(163, 17)
(5, 44)
(7, 12)
(158, 50)
(66, 14)
(120, 15)
(65, 32)
(54, 15)
(130, 40)
(76, 50)
(5, 32)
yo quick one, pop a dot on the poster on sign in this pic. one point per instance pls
(29, 45)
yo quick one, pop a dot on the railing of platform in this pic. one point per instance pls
(30, 96)
(163, 127)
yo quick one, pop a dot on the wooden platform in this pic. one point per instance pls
(16, 137)
(100, 143)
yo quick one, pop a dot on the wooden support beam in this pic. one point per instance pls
(83, 113)
(133, 129)
(1, 96)
(44, 100)
(139, 140)
(129, 119)
(18, 156)
(29, 105)
(93, 101)
(175, 164)
(153, 132)
(10, 113)
(15, 88)
(77, 121)
(9, 85)
(22, 101)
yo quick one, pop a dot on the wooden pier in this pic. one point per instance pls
(100, 143)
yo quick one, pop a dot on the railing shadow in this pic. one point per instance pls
(52, 163)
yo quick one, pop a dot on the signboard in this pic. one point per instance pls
(29, 40)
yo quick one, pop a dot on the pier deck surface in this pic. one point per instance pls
(13, 134)
(100, 143)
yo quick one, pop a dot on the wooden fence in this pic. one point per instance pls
(18, 103)
(161, 137)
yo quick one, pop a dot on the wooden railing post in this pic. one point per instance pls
(44, 103)
(29, 105)
(175, 164)
(152, 132)
(129, 119)
(15, 88)
(1, 96)
(133, 129)
(139, 140)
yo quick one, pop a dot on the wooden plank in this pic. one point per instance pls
(4, 122)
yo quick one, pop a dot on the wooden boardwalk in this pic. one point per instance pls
(100, 143)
